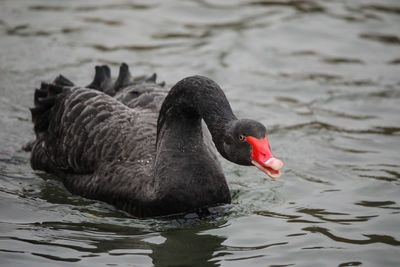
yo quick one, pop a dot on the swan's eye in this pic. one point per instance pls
(242, 137)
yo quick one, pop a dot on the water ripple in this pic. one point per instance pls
(371, 239)
(391, 9)
(300, 5)
(88, 8)
(103, 21)
(148, 47)
(383, 38)
(379, 204)
(324, 215)
(317, 125)
(24, 30)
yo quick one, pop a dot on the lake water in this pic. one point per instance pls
(323, 76)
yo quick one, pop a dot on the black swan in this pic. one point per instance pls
(133, 144)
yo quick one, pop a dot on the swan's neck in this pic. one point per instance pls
(185, 167)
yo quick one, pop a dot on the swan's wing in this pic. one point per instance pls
(77, 129)
(100, 147)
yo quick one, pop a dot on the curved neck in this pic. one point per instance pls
(192, 99)
(186, 170)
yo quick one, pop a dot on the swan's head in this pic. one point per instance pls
(246, 143)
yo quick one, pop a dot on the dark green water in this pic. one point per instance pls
(323, 76)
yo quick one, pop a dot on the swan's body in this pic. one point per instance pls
(130, 144)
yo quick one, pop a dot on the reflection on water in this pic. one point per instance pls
(323, 76)
(186, 248)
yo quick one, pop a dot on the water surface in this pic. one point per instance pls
(323, 76)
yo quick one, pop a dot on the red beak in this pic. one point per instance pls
(262, 158)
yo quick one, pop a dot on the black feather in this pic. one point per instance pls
(124, 77)
(152, 78)
(44, 86)
(46, 103)
(102, 80)
(99, 78)
(106, 70)
(63, 81)
(38, 94)
(54, 89)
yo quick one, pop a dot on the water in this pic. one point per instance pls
(323, 76)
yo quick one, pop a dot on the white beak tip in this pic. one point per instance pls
(274, 163)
